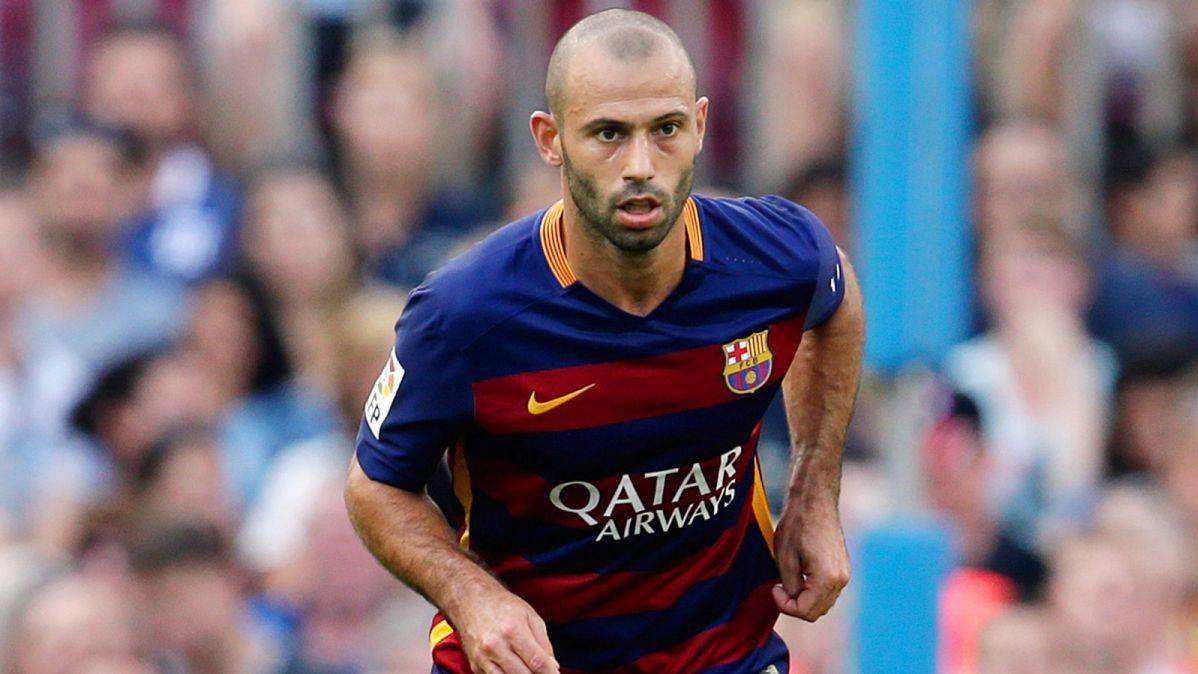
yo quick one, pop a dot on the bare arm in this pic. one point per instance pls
(820, 389)
(406, 533)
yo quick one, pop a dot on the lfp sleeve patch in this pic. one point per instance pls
(383, 394)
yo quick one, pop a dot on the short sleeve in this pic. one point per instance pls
(815, 240)
(829, 281)
(420, 403)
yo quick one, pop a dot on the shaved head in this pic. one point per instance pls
(625, 126)
(622, 34)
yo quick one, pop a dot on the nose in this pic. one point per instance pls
(638, 162)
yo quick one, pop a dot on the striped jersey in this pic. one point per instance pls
(604, 464)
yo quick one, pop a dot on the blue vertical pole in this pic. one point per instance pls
(910, 176)
(901, 568)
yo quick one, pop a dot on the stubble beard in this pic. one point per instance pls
(600, 218)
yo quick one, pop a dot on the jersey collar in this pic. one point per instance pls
(553, 241)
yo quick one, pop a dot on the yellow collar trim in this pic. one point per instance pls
(553, 240)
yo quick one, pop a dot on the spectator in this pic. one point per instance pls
(273, 527)
(1022, 174)
(121, 417)
(1146, 295)
(76, 624)
(958, 467)
(87, 310)
(535, 187)
(340, 597)
(405, 219)
(1148, 527)
(18, 260)
(1151, 420)
(820, 187)
(1103, 612)
(1016, 641)
(128, 407)
(181, 479)
(297, 243)
(1031, 81)
(994, 568)
(257, 80)
(233, 330)
(200, 617)
(1044, 387)
(1152, 208)
(141, 77)
(801, 89)
(365, 328)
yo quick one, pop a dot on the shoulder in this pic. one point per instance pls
(769, 235)
(493, 279)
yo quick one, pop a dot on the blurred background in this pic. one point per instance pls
(211, 212)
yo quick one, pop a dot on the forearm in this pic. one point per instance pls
(820, 389)
(408, 535)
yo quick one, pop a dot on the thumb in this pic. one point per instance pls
(784, 601)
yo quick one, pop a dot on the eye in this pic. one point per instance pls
(669, 128)
(608, 135)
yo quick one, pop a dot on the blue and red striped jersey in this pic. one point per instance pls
(605, 463)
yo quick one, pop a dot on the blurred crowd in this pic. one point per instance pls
(211, 212)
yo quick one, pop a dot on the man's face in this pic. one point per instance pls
(72, 624)
(296, 236)
(79, 187)
(192, 604)
(630, 131)
(140, 81)
(1022, 174)
(384, 112)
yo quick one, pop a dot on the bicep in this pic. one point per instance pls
(830, 353)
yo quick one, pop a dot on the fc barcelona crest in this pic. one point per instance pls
(748, 362)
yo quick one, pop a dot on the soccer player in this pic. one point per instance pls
(599, 372)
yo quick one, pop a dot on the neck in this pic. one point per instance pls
(634, 282)
(229, 652)
(978, 536)
(75, 273)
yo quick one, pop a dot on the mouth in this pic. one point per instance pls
(638, 212)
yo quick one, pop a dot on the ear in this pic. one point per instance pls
(701, 120)
(547, 137)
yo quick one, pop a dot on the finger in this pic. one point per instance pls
(496, 656)
(790, 570)
(806, 602)
(486, 667)
(824, 607)
(509, 662)
(832, 584)
(814, 601)
(533, 656)
(540, 633)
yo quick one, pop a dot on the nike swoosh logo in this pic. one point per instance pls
(535, 407)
